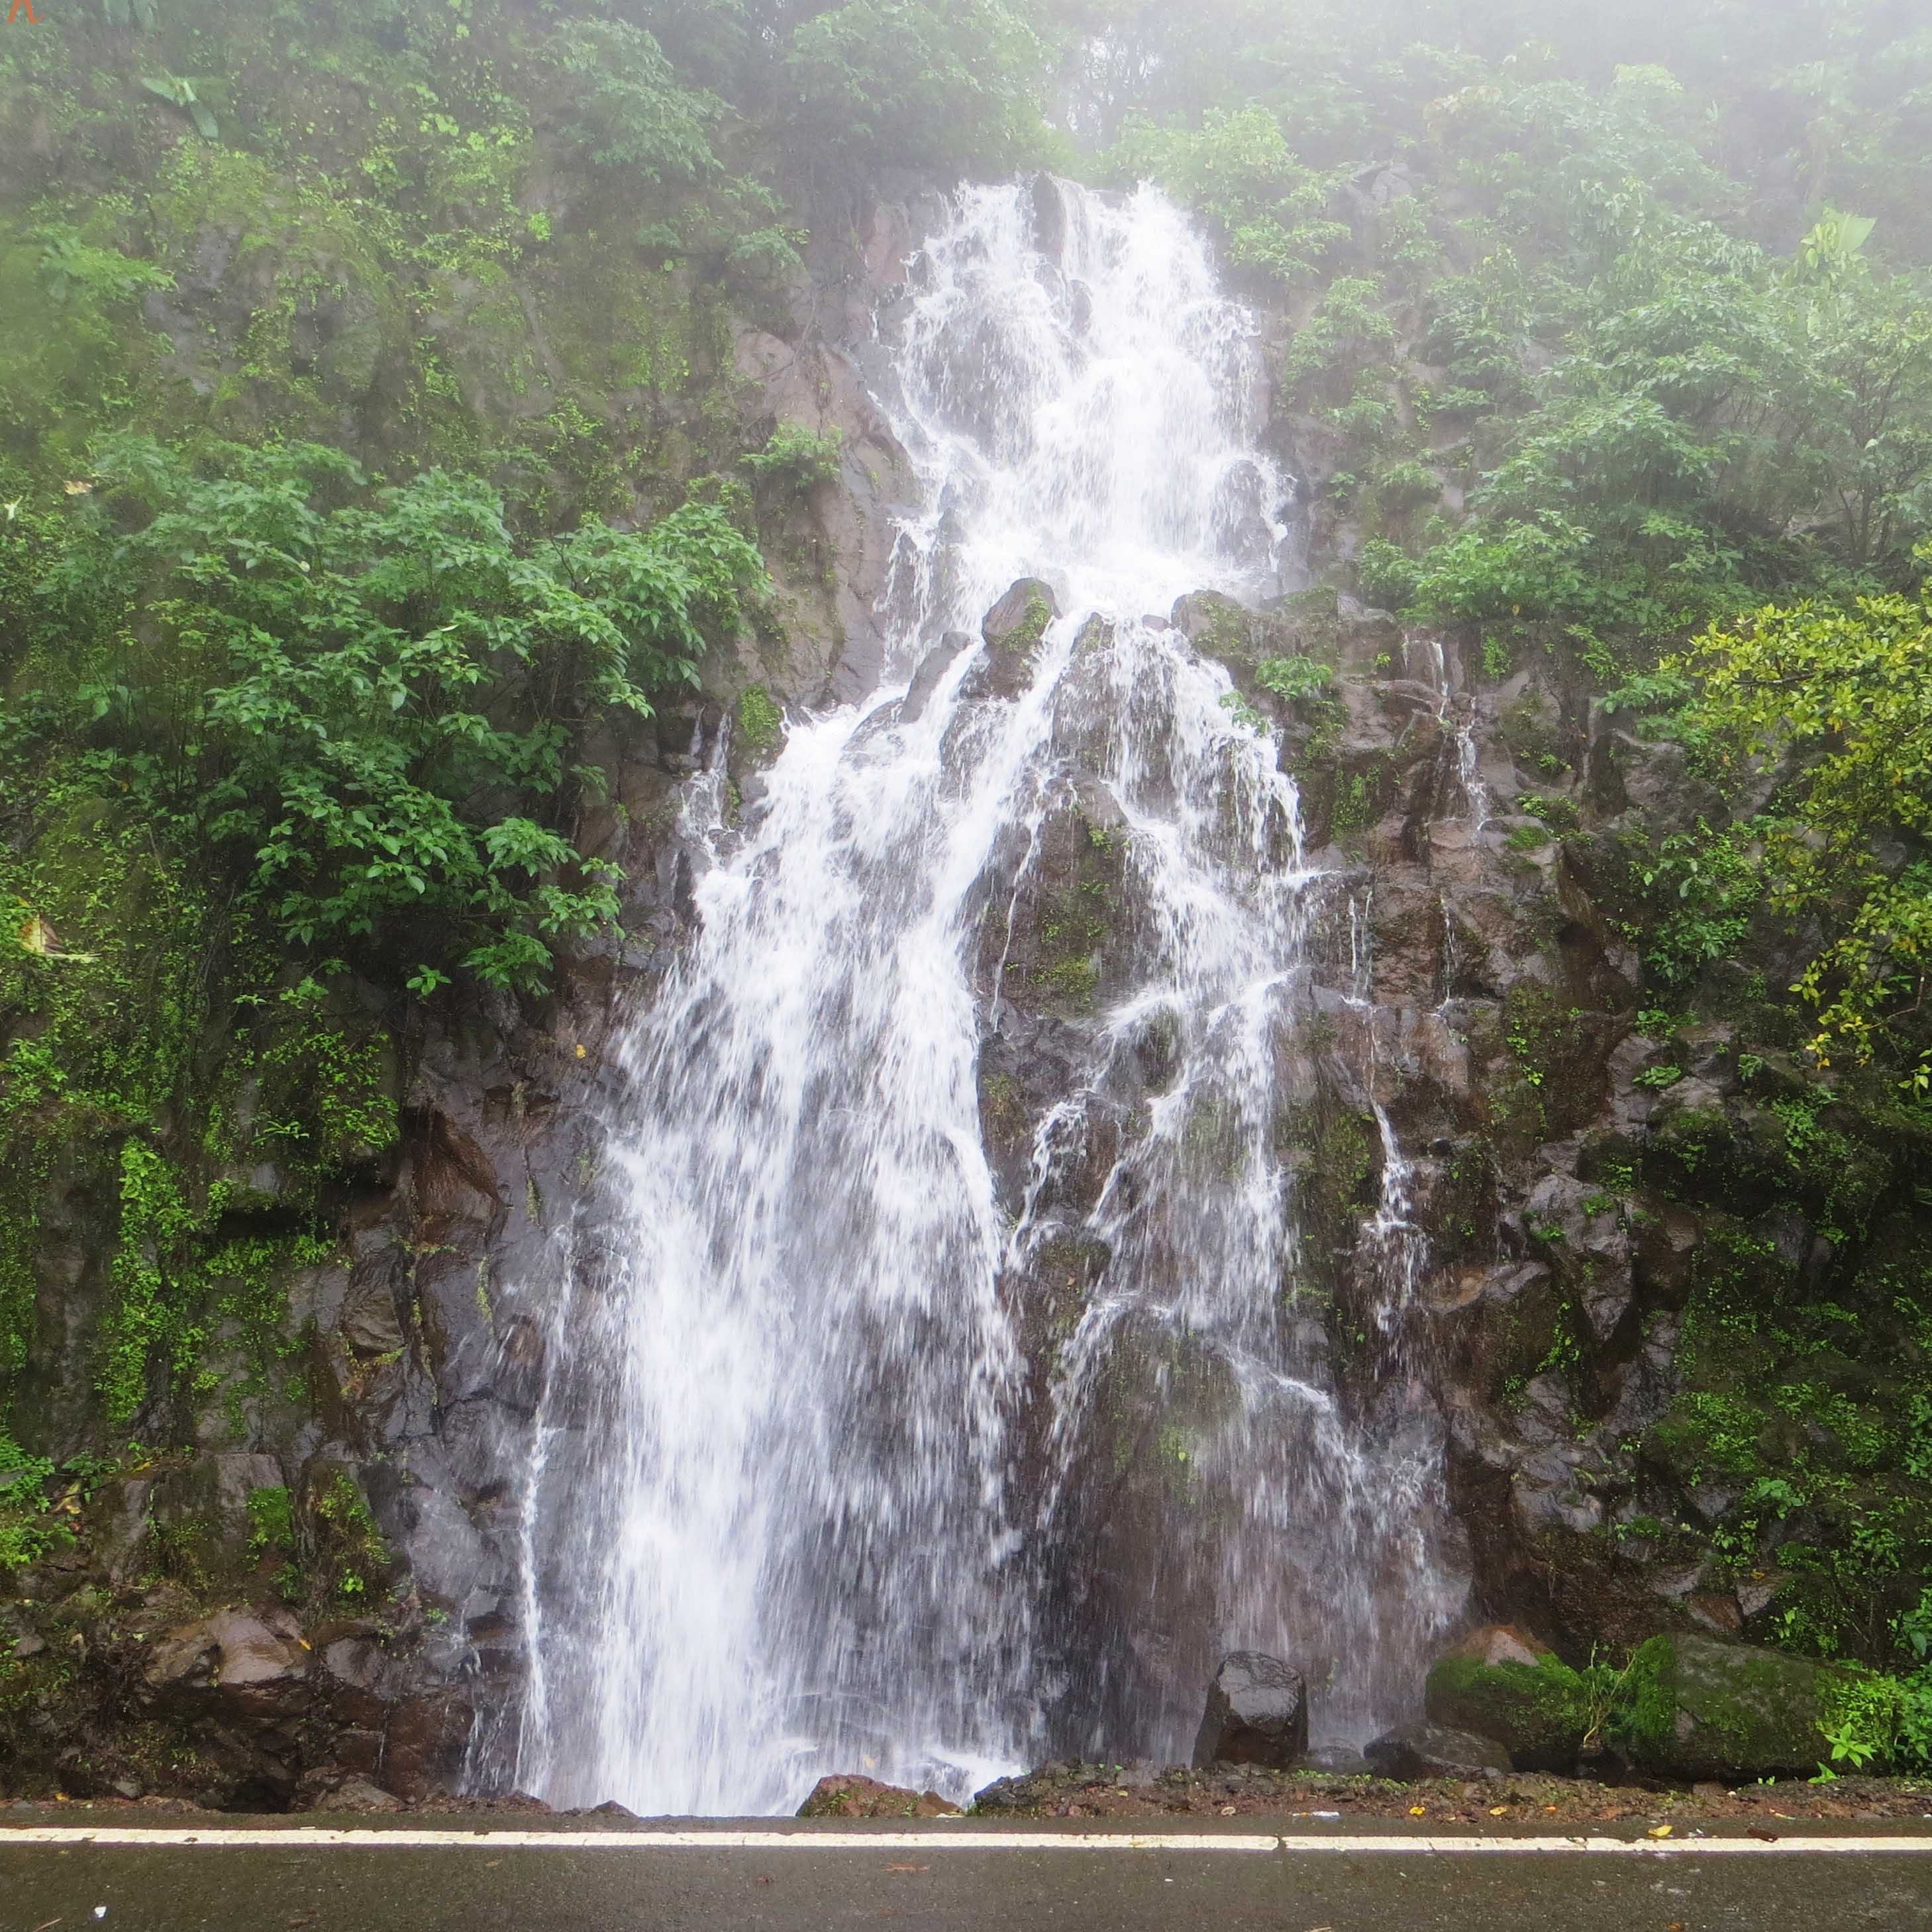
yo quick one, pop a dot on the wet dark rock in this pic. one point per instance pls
(1493, 1644)
(836, 645)
(236, 1686)
(932, 668)
(258, 1660)
(1049, 216)
(1433, 1750)
(334, 1792)
(1011, 630)
(369, 1323)
(452, 1563)
(1651, 782)
(1257, 1713)
(522, 1358)
(1582, 1230)
(848, 1795)
(428, 1736)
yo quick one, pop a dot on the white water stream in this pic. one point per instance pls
(809, 1494)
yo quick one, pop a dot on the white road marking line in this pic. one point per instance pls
(311, 1837)
(303, 1837)
(1640, 1847)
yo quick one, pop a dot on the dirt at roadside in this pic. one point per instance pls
(1093, 1791)
(1109, 1791)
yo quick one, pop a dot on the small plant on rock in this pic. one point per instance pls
(799, 457)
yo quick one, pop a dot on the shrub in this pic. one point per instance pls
(801, 458)
(368, 702)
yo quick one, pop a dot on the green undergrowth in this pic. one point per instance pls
(1551, 1713)
(350, 1555)
(1808, 1414)
(28, 1530)
(180, 1105)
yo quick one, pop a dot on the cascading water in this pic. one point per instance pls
(1455, 713)
(810, 1492)
(1462, 794)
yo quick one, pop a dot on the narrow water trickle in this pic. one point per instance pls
(821, 1482)
(1455, 711)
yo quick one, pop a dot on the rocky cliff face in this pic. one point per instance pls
(1661, 1259)
(1658, 1260)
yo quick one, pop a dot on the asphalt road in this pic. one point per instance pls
(422, 1875)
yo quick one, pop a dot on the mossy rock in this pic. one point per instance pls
(283, 312)
(852, 1796)
(1223, 628)
(484, 348)
(760, 722)
(1060, 953)
(1698, 1709)
(1335, 1154)
(1019, 620)
(1539, 1713)
(1012, 630)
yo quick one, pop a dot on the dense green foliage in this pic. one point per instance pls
(1844, 694)
(361, 703)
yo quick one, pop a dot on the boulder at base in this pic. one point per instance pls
(257, 1662)
(1257, 1713)
(849, 1796)
(1540, 1713)
(1700, 1709)
(1432, 1750)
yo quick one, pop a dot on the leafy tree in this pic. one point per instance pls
(955, 88)
(1713, 428)
(370, 701)
(628, 110)
(1863, 383)
(1845, 696)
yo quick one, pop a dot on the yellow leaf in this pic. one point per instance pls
(1418, 1810)
(37, 936)
(1659, 1831)
(1497, 1810)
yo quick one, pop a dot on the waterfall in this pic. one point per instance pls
(1455, 712)
(820, 1483)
